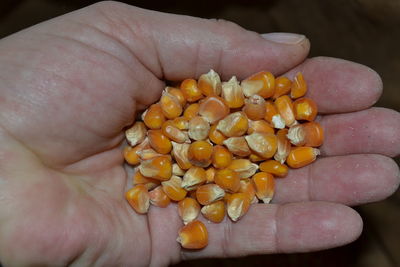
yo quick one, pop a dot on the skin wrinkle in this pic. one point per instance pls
(277, 216)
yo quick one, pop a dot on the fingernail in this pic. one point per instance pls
(284, 37)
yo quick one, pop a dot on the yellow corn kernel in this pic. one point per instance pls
(213, 108)
(190, 90)
(274, 167)
(306, 134)
(264, 184)
(210, 83)
(209, 193)
(216, 136)
(233, 125)
(237, 146)
(148, 153)
(159, 142)
(232, 93)
(284, 106)
(247, 187)
(173, 188)
(170, 106)
(191, 111)
(199, 153)
(194, 235)
(263, 144)
(284, 146)
(301, 156)
(159, 168)
(198, 128)
(130, 155)
(188, 209)
(174, 134)
(305, 109)
(244, 167)
(138, 198)
(136, 133)
(259, 126)
(282, 86)
(255, 158)
(150, 183)
(299, 86)
(221, 157)
(238, 205)
(210, 174)
(262, 84)
(227, 179)
(181, 123)
(177, 93)
(153, 117)
(176, 170)
(272, 116)
(159, 198)
(194, 177)
(214, 212)
(180, 153)
(254, 107)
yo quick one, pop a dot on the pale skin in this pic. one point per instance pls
(70, 85)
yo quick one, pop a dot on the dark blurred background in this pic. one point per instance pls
(365, 31)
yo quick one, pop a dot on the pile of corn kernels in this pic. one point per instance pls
(216, 147)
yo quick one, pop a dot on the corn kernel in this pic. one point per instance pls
(305, 109)
(138, 198)
(232, 93)
(159, 168)
(130, 155)
(177, 93)
(210, 174)
(227, 179)
(159, 142)
(194, 177)
(282, 86)
(170, 106)
(262, 84)
(210, 83)
(199, 153)
(213, 108)
(247, 187)
(191, 111)
(274, 167)
(216, 136)
(264, 184)
(255, 158)
(259, 126)
(299, 86)
(190, 90)
(221, 157)
(306, 134)
(272, 116)
(199, 128)
(188, 209)
(237, 146)
(174, 134)
(284, 146)
(180, 153)
(173, 188)
(214, 212)
(159, 198)
(233, 125)
(209, 193)
(150, 183)
(194, 235)
(254, 107)
(149, 153)
(301, 156)
(176, 170)
(237, 205)
(244, 167)
(153, 117)
(182, 123)
(284, 106)
(263, 144)
(136, 133)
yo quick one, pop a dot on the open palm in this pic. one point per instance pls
(69, 86)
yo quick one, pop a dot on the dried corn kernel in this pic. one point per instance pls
(262, 84)
(213, 108)
(237, 205)
(221, 157)
(191, 111)
(232, 93)
(234, 124)
(284, 106)
(148, 153)
(263, 144)
(274, 167)
(214, 212)
(180, 152)
(173, 188)
(130, 155)
(170, 106)
(174, 134)
(238, 146)
(210, 174)
(176, 170)
(282, 86)
(264, 184)
(194, 177)
(138, 198)
(254, 107)
(209, 193)
(153, 117)
(136, 133)
(307, 134)
(299, 86)
(305, 109)
(182, 123)
(159, 142)
(177, 93)
(260, 126)
(284, 146)
(188, 209)
(244, 167)
(190, 90)
(159, 198)
(272, 116)
(150, 183)
(159, 168)
(216, 136)
(227, 179)
(199, 153)
(247, 187)
(301, 156)
(194, 235)
(210, 83)
(198, 128)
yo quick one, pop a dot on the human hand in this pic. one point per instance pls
(69, 86)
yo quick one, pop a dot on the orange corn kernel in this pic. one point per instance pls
(237, 146)
(170, 106)
(148, 153)
(263, 144)
(194, 235)
(233, 125)
(194, 177)
(199, 128)
(274, 167)
(213, 108)
(247, 187)
(181, 123)
(139, 199)
(264, 184)
(136, 133)
(227, 179)
(176, 170)
(302, 156)
(153, 117)
(254, 107)
(214, 212)
(190, 90)
(255, 158)
(260, 126)
(159, 168)
(305, 109)
(173, 188)
(221, 157)
(284, 146)
(262, 84)
(209, 193)
(159, 198)
(216, 136)
(210, 83)
(226, 197)
(188, 209)
(199, 153)
(282, 86)
(299, 86)
(180, 153)
(191, 111)
(130, 155)
(159, 142)
(244, 167)
(284, 106)
(238, 205)
(306, 134)
(177, 93)
(272, 116)
(232, 93)
(174, 134)
(150, 183)
(210, 174)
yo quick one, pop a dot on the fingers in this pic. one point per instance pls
(298, 227)
(375, 130)
(350, 180)
(338, 85)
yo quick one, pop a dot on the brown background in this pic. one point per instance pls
(365, 31)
